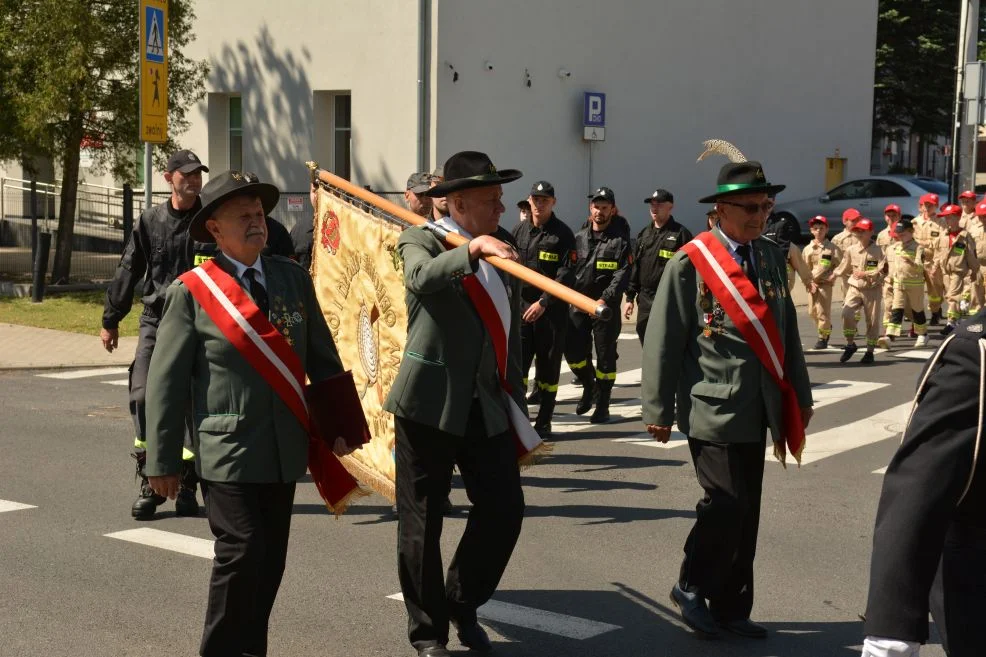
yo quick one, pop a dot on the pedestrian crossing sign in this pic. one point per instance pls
(154, 71)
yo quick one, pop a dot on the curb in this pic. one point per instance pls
(21, 290)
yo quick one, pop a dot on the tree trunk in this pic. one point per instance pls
(62, 267)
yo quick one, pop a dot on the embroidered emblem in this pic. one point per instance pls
(368, 345)
(540, 187)
(974, 328)
(331, 236)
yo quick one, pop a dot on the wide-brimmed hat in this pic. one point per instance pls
(737, 178)
(223, 187)
(470, 169)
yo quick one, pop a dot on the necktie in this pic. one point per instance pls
(257, 291)
(747, 264)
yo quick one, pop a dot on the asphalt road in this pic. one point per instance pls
(607, 515)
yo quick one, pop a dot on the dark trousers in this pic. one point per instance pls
(545, 339)
(721, 547)
(645, 299)
(424, 457)
(146, 339)
(251, 523)
(957, 595)
(584, 332)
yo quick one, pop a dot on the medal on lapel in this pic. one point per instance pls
(769, 288)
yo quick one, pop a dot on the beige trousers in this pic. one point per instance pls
(868, 302)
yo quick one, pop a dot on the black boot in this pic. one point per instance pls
(147, 500)
(542, 424)
(601, 414)
(935, 318)
(823, 343)
(185, 502)
(848, 352)
(535, 397)
(588, 392)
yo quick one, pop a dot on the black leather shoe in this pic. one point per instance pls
(867, 358)
(694, 612)
(534, 398)
(848, 352)
(948, 329)
(821, 344)
(745, 627)
(473, 636)
(434, 651)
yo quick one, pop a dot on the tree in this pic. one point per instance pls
(68, 73)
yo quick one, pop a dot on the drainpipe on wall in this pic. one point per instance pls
(422, 84)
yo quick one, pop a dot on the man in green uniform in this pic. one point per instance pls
(700, 370)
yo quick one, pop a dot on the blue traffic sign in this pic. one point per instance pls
(154, 37)
(594, 109)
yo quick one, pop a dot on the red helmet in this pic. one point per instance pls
(949, 209)
(893, 207)
(929, 198)
(981, 209)
(862, 225)
(968, 194)
(851, 214)
(819, 219)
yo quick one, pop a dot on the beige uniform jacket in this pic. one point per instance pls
(868, 260)
(822, 259)
(959, 257)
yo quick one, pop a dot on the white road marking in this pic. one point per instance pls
(882, 470)
(629, 336)
(82, 374)
(570, 627)
(7, 505)
(120, 382)
(916, 354)
(190, 545)
(867, 431)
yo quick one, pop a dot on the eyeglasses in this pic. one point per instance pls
(752, 208)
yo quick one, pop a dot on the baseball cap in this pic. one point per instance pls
(862, 225)
(185, 161)
(439, 172)
(981, 209)
(543, 188)
(851, 214)
(660, 196)
(819, 219)
(906, 224)
(949, 210)
(968, 194)
(524, 204)
(929, 198)
(603, 193)
(893, 207)
(419, 182)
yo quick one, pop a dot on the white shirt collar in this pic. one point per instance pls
(241, 269)
(452, 225)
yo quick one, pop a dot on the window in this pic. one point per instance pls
(235, 133)
(850, 190)
(341, 135)
(888, 189)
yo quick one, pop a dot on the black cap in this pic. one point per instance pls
(660, 196)
(603, 193)
(543, 188)
(185, 161)
(524, 204)
(903, 224)
(223, 187)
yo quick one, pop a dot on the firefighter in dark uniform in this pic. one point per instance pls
(546, 245)
(602, 272)
(158, 251)
(929, 544)
(655, 245)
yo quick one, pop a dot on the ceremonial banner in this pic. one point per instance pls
(360, 287)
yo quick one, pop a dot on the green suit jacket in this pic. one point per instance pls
(449, 358)
(245, 433)
(715, 387)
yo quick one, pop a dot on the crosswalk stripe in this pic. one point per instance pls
(881, 471)
(190, 545)
(570, 627)
(82, 374)
(120, 382)
(916, 354)
(7, 505)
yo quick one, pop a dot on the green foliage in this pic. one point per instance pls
(71, 63)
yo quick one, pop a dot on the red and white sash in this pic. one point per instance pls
(753, 319)
(265, 349)
(489, 296)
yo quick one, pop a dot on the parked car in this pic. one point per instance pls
(869, 195)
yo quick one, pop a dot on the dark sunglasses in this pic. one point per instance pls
(752, 208)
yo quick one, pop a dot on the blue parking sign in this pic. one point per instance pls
(594, 109)
(154, 35)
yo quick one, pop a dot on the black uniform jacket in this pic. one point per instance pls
(547, 250)
(159, 247)
(602, 263)
(935, 484)
(654, 248)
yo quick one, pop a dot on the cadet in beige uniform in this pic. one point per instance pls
(927, 229)
(977, 229)
(822, 258)
(955, 259)
(845, 238)
(907, 275)
(967, 200)
(886, 239)
(863, 263)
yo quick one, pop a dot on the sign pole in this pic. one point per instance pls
(147, 174)
(153, 83)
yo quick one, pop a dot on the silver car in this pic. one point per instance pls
(869, 195)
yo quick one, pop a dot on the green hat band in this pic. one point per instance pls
(721, 189)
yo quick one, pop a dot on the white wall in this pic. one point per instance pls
(787, 81)
(275, 54)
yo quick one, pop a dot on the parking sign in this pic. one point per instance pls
(594, 109)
